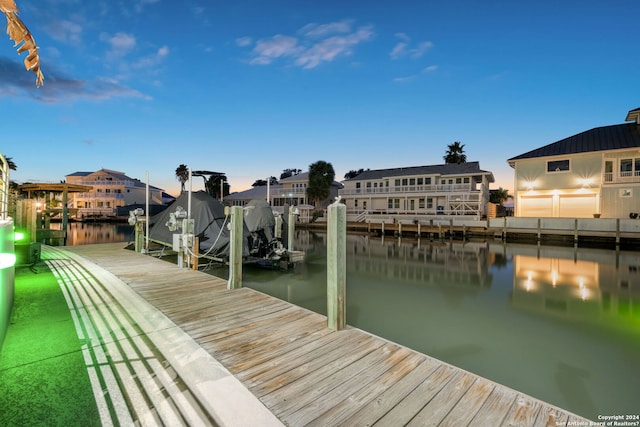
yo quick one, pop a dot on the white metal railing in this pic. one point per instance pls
(621, 177)
(438, 188)
(4, 188)
(106, 182)
(287, 192)
(98, 195)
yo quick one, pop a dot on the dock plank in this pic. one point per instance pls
(306, 374)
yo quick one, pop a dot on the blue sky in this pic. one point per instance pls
(251, 88)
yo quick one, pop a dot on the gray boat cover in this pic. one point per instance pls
(258, 215)
(209, 224)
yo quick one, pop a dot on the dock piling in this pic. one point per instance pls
(235, 253)
(336, 266)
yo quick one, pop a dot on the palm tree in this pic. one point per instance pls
(11, 164)
(455, 153)
(321, 175)
(182, 173)
(499, 196)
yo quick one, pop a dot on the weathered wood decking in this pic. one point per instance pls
(306, 374)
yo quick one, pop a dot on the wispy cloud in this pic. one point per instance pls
(120, 44)
(404, 48)
(244, 41)
(139, 4)
(315, 44)
(65, 31)
(16, 82)
(430, 69)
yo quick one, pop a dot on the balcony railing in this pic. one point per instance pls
(621, 177)
(287, 192)
(98, 196)
(104, 182)
(423, 189)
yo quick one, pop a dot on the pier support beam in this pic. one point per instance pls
(235, 252)
(336, 266)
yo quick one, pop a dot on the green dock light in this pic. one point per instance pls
(18, 235)
(7, 260)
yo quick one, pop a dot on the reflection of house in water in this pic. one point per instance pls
(587, 285)
(451, 264)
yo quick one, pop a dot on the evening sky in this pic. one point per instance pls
(253, 87)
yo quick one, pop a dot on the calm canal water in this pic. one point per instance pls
(560, 324)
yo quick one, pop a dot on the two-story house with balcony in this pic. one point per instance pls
(291, 191)
(447, 189)
(593, 173)
(111, 189)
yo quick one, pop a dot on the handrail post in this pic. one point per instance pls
(235, 249)
(336, 266)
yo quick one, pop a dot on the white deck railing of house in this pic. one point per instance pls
(439, 188)
(621, 177)
(109, 183)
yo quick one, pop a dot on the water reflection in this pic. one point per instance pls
(85, 233)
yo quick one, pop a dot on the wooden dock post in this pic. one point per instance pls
(138, 244)
(336, 266)
(235, 252)
(291, 229)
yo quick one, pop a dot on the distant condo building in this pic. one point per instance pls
(446, 189)
(111, 190)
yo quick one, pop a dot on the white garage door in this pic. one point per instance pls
(537, 207)
(583, 206)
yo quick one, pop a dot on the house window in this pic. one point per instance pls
(421, 203)
(412, 181)
(458, 180)
(397, 183)
(466, 180)
(396, 203)
(355, 203)
(420, 181)
(630, 167)
(429, 203)
(389, 203)
(427, 181)
(404, 181)
(558, 165)
(357, 185)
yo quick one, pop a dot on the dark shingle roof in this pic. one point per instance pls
(445, 169)
(604, 138)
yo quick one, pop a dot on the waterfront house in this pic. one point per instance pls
(447, 189)
(111, 190)
(290, 191)
(594, 173)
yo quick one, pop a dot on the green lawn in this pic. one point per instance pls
(43, 377)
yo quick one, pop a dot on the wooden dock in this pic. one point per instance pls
(306, 374)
